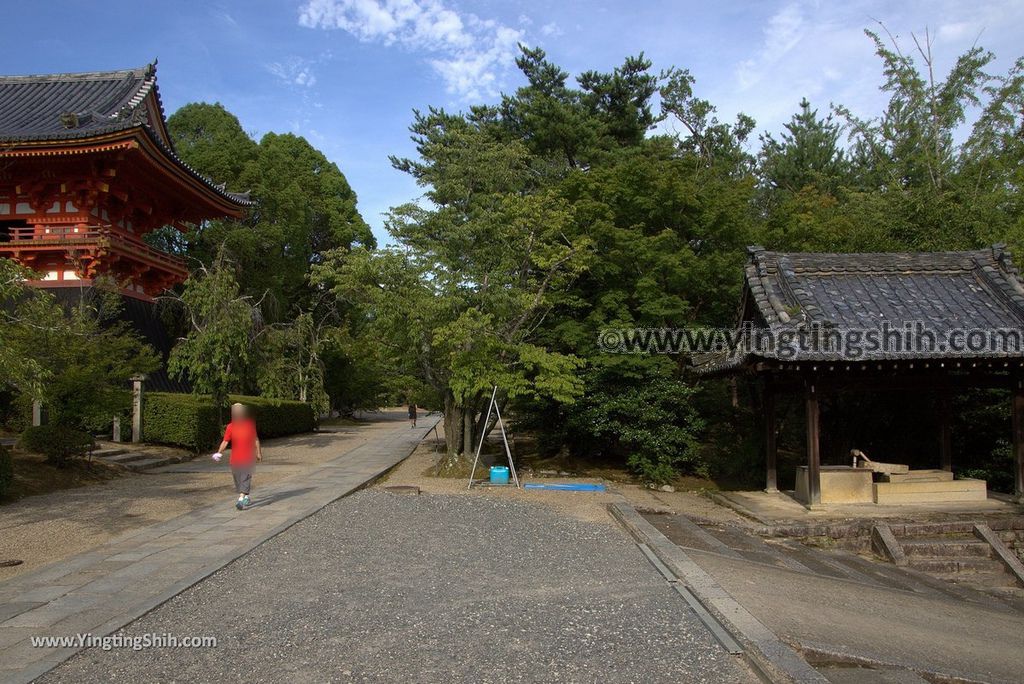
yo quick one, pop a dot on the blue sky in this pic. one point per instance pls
(348, 73)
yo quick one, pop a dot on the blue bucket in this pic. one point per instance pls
(499, 475)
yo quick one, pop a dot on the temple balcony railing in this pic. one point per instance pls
(49, 238)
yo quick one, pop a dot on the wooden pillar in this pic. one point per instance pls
(813, 446)
(1017, 413)
(770, 445)
(137, 408)
(946, 430)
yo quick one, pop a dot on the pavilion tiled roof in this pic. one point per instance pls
(80, 106)
(943, 291)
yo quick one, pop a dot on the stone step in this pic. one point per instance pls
(952, 566)
(918, 476)
(1011, 536)
(946, 548)
(107, 452)
(1014, 591)
(895, 493)
(148, 463)
(981, 580)
(122, 458)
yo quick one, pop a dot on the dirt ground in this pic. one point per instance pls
(418, 471)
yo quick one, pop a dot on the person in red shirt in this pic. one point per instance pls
(245, 451)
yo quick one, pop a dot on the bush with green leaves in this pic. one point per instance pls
(58, 443)
(6, 471)
(645, 419)
(184, 420)
(195, 422)
(15, 411)
(279, 417)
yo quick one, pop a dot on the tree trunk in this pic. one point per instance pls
(453, 427)
(468, 432)
(461, 429)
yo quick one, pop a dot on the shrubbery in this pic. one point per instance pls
(6, 471)
(651, 424)
(15, 411)
(279, 417)
(184, 420)
(194, 421)
(59, 443)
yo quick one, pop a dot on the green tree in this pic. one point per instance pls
(212, 140)
(20, 310)
(457, 303)
(808, 153)
(76, 359)
(292, 360)
(305, 205)
(224, 323)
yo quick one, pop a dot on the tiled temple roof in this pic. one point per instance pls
(943, 291)
(76, 107)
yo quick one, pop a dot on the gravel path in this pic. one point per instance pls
(435, 588)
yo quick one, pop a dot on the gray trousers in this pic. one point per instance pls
(243, 479)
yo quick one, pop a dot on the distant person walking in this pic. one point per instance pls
(245, 451)
(412, 414)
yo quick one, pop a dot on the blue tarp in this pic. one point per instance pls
(566, 487)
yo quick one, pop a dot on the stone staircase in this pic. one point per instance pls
(964, 554)
(136, 462)
(944, 559)
(1014, 540)
(963, 560)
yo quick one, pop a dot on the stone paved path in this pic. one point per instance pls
(101, 590)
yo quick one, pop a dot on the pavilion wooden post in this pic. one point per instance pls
(813, 446)
(1018, 438)
(770, 445)
(945, 430)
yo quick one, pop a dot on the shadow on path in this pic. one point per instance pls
(280, 496)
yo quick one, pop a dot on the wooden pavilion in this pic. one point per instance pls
(87, 169)
(954, 320)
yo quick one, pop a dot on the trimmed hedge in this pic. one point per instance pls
(184, 420)
(193, 422)
(279, 417)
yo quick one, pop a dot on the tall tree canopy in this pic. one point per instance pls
(552, 215)
(304, 204)
(613, 199)
(257, 269)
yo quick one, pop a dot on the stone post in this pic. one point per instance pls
(117, 429)
(137, 408)
(37, 413)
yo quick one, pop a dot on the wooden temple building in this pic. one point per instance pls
(87, 169)
(965, 311)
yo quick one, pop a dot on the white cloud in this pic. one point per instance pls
(551, 30)
(470, 54)
(783, 32)
(818, 50)
(294, 71)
